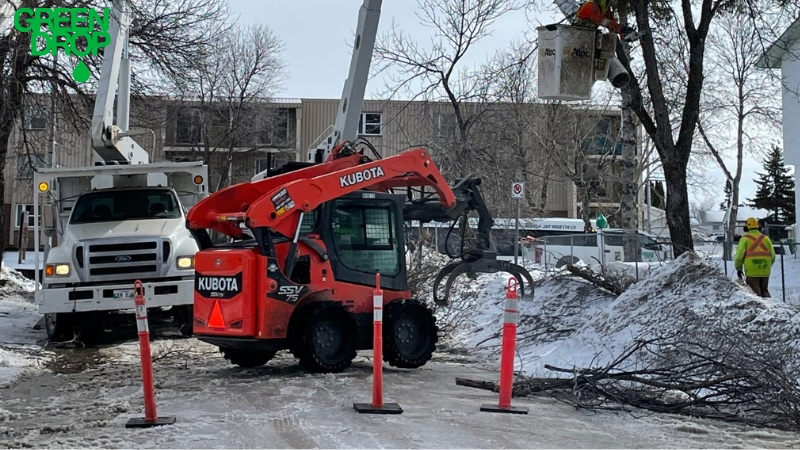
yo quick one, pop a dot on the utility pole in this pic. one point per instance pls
(53, 160)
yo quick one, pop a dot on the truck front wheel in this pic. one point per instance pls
(60, 326)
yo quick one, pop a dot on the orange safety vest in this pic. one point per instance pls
(757, 247)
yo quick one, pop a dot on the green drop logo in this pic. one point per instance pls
(81, 73)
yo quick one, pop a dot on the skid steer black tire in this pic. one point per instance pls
(409, 334)
(246, 358)
(324, 338)
(60, 327)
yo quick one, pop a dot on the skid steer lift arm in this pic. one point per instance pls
(277, 205)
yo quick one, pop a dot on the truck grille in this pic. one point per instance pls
(122, 259)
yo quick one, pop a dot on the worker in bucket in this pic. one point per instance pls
(756, 255)
(600, 14)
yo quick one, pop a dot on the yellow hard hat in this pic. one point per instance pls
(751, 223)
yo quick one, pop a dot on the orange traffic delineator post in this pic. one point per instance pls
(507, 355)
(151, 419)
(377, 406)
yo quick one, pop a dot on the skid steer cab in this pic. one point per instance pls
(298, 270)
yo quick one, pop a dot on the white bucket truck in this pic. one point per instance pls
(120, 220)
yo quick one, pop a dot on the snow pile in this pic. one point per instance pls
(627, 273)
(560, 307)
(19, 352)
(13, 284)
(571, 323)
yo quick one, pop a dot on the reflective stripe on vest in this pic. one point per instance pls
(757, 248)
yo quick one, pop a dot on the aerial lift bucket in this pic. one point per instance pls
(566, 62)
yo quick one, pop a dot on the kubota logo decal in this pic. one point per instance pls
(360, 177)
(218, 286)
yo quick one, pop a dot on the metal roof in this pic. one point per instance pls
(773, 58)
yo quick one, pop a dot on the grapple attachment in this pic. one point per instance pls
(472, 265)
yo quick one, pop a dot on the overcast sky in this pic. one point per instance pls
(317, 35)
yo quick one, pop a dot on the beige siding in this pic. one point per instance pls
(404, 125)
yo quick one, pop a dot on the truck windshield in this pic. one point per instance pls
(131, 204)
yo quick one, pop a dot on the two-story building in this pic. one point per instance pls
(235, 145)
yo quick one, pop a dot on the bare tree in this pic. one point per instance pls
(436, 73)
(629, 192)
(227, 95)
(671, 120)
(587, 151)
(741, 94)
(165, 37)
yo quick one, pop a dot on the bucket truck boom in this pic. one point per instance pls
(111, 142)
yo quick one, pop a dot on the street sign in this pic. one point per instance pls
(517, 190)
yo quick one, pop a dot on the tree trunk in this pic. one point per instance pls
(11, 89)
(543, 195)
(678, 207)
(587, 221)
(737, 178)
(5, 135)
(629, 205)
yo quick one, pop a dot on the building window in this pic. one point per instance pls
(29, 209)
(189, 126)
(370, 124)
(603, 127)
(26, 164)
(446, 125)
(34, 118)
(274, 128)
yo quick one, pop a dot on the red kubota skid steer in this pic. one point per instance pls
(304, 246)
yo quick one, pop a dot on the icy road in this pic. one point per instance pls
(84, 398)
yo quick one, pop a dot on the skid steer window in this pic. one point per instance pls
(365, 238)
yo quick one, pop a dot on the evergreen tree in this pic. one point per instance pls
(728, 193)
(775, 190)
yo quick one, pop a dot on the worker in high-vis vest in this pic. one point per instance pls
(598, 12)
(756, 255)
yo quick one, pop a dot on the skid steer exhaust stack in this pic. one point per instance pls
(472, 265)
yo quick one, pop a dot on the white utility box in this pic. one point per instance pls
(566, 62)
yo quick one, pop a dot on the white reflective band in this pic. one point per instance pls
(377, 314)
(511, 312)
(141, 312)
(141, 324)
(377, 301)
(510, 317)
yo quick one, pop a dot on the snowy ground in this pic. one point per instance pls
(83, 397)
(19, 351)
(278, 406)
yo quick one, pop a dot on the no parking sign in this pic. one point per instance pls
(517, 190)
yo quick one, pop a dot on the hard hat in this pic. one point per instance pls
(751, 223)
